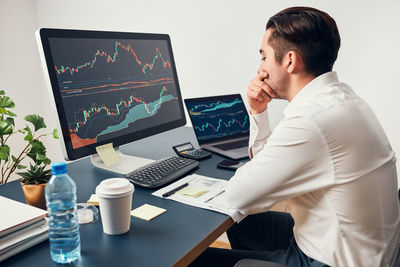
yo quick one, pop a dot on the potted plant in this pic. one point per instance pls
(33, 183)
(33, 148)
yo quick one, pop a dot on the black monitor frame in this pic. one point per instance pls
(43, 36)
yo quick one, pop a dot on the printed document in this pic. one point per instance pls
(205, 192)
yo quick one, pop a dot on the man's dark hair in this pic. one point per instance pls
(310, 32)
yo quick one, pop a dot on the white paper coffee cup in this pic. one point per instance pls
(115, 201)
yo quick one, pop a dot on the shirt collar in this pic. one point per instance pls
(310, 90)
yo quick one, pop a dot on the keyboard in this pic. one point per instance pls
(162, 171)
(233, 145)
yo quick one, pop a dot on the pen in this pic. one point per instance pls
(211, 198)
(173, 191)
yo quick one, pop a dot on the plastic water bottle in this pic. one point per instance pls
(65, 243)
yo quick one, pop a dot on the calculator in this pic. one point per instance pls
(187, 150)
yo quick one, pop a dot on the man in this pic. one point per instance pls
(329, 157)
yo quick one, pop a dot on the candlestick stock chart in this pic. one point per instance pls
(113, 87)
(215, 119)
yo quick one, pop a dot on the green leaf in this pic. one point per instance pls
(14, 159)
(28, 137)
(9, 113)
(6, 127)
(38, 153)
(20, 167)
(3, 111)
(28, 131)
(11, 121)
(2, 92)
(24, 174)
(4, 152)
(36, 174)
(37, 148)
(55, 133)
(40, 156)
(6, 102)
(47, 161)
(36, 120)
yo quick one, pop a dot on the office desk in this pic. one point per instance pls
(175, 238)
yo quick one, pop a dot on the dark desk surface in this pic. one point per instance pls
(174, 238)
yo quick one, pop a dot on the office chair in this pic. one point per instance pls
(257, 263)
(397, 262)
(261, 263)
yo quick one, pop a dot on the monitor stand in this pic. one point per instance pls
(128, 163)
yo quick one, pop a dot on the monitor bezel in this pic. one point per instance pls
(212, 98)
(71, 153)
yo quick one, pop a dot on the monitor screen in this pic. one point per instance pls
(216, 118)
(110, 87)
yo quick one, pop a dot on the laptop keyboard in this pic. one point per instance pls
(233, 145)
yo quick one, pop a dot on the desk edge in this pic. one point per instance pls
(204, 244)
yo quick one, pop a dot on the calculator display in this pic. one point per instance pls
(184, 147)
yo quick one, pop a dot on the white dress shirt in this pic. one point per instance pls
(330, 158)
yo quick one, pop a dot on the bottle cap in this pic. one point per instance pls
(87, 213)
(59, 167)
(114, 188)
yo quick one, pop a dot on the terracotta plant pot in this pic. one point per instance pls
(34, 195)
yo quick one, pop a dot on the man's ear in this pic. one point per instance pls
(293, 62)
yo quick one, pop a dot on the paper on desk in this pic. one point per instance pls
(94, 200)
(191, 191)
(212, 199)
(108, 154)
(147, 212)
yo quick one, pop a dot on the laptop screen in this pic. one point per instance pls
(217, 118)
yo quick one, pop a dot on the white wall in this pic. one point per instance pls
(19, 65)
(215, 45)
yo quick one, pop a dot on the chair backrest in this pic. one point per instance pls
(397, 262)
(257, 263)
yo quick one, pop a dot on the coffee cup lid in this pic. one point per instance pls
(114, 187)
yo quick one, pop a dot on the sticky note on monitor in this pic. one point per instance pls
(191, 191)
(108, 155)
(147, 212)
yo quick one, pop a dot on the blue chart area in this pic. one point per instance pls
(215, 119)
(213, 107)
(99, 121)
(139, 112)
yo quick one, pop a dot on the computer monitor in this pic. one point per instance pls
(110, 87)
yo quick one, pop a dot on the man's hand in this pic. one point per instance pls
(259, 94)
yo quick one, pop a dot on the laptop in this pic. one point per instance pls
(221, 124)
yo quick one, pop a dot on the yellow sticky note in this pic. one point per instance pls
(147, 212)
(94, 200)
(108, 154)
(191, 191)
